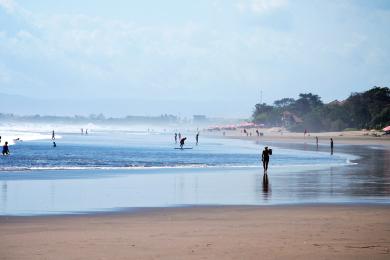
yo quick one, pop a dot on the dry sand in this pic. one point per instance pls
(278, 135)
(279, 232)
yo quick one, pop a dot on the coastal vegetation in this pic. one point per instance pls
(365, 110)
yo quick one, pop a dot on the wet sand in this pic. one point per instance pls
(288, 232)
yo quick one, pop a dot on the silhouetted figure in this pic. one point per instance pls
(53, 135)
(5, 149)
(179, 136)
(175, 138)
(86, 131)
(82, 131)
(182, 142)
(0, 139)
(54, 144)
(317, 142)
(257, 132)
(331, 145)
(265, 158)
(197, 138)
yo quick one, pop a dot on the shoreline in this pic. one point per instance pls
(238, 232)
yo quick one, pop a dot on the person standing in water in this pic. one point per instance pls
(265, 158)
(182, 142)
(197, 138)
(53, 135)
(5, 149)
(331, 145)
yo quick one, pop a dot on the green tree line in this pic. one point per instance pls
(368, 110)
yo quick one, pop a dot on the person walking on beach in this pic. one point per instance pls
(53, 135)
(5, 149)
(331, 145)
(197, 138)
(265, 158)
(182, 142)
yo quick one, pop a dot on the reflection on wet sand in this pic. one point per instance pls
(266, 186)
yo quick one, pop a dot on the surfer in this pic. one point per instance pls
(182, 142)
(5, 149)
(53, 135)
(197, 138)
(265, 158)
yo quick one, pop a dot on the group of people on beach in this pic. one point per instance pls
(267, 152)
(182, 140)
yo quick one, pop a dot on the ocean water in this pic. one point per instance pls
(116, 170)
(127, 150)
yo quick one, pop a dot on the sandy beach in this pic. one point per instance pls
(286, 232)
(277, 134)
(304, 231)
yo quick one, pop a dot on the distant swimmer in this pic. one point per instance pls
(182, 142)
(175, 138)
(5, 149)
(54, 144)
(53, 135)
(197, 138)
(265, 158)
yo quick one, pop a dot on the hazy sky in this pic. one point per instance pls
(221, 52)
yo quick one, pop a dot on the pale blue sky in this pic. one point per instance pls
(213, 52)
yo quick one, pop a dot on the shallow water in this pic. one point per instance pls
(106, 172)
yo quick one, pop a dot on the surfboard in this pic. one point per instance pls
(184, 148)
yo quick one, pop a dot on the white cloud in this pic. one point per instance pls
(8, 5)
(260, 6)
